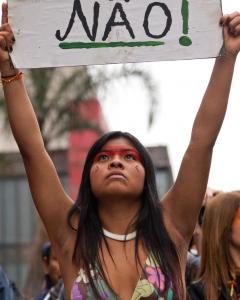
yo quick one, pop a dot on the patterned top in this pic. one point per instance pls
(151, 285)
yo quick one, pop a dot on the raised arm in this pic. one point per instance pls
(183, 201)
(50, 199)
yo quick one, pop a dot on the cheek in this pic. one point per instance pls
(95, 169)
(236, 228)
(54, 267)
(138, 169)
(235, 236)
(95, 179)
(94, 172)
(236, 222)
(139, 174)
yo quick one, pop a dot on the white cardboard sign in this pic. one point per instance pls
(52, 33)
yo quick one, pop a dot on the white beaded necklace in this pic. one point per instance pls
(120, 237)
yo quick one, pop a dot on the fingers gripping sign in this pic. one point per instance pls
(231, 28)
(4, 13)
(6, 37)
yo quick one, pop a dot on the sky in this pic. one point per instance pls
(181, 85)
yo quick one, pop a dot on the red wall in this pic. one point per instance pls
(81, 140)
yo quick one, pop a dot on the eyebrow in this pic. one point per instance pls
(117, 149)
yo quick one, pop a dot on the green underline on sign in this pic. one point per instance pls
(82, 45)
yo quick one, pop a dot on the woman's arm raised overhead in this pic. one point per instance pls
(50, 199)
(182, 203)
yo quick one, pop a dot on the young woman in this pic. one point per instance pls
(219, 276)
(119, 241)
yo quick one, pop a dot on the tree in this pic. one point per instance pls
(55, 94)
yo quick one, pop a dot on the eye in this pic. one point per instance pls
(102, 157)
(130, 156)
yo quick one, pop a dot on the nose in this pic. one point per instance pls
(115, 163)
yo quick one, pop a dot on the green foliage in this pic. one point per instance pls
(56, 92)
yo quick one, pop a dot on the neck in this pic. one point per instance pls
(118, 215)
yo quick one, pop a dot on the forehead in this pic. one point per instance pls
(119, 144)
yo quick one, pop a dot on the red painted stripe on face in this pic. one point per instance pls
(109, 153)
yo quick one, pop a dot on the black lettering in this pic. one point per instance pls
(77, 8)
(111, 22)
(168, 22)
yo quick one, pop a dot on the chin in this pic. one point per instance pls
(113, 193)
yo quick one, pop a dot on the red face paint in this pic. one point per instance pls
(236, 220)
(127, 154)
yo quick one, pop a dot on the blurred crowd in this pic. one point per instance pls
(52, 285)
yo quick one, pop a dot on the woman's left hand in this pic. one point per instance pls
(231, 28)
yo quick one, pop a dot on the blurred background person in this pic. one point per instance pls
(8, 290)
(52, 275)
(219, 276)
(193, 257)
(195, 244)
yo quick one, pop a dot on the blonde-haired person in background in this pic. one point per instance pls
(194, 255)
(195, 244)
(219, 276)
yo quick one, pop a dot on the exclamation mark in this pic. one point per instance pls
(185, 40)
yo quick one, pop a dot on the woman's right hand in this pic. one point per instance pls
(6, 40)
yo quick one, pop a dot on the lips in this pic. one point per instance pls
(116, 175)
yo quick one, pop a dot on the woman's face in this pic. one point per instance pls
(235, 230)
(117, 171)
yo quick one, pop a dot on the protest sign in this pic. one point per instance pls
(82, 32)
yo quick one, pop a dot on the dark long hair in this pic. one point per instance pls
(149, 224)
